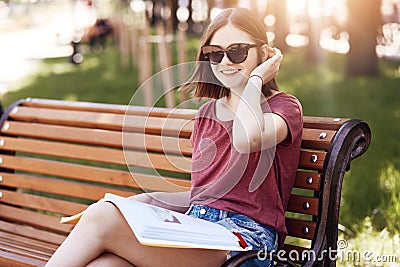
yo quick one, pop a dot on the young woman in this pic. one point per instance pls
(247, 127)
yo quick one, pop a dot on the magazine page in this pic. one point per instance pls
(161, 227)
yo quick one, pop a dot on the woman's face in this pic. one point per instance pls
(233, 75)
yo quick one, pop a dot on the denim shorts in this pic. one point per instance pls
(256, 235)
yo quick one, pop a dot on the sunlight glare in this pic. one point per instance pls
(269, 20)
(340, 45)
(296, 40)
(214, 12)
(296, 7)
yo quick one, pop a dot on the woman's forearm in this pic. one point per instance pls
(177, 201)
(248, 123)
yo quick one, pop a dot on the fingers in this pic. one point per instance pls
(277, 57)
(269, 68)
(273, 51)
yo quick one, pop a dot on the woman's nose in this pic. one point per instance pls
(225, 60)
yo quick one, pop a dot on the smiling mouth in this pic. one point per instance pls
(230, 72)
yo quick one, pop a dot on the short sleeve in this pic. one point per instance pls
(289, 108)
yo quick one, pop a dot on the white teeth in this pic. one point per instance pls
(229, 71)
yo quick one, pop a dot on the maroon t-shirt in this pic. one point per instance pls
(255, 184)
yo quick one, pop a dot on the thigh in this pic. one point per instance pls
(109, 259)
(120, 240)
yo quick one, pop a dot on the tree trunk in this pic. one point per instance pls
(313, 49)
(364, 17)
(281, 24)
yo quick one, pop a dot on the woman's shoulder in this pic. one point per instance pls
(283, 99)
(282, 96)
(207, 108)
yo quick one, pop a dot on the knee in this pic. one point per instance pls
(102, 216)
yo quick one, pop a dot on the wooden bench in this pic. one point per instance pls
(56, 157)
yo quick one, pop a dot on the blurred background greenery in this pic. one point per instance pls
(328, 77)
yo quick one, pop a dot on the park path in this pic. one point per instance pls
(22, 47)
(21, 51)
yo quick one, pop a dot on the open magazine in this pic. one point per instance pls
(155, 226)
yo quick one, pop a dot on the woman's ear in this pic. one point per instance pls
(266, 52)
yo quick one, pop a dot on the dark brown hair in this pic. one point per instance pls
(207, 85)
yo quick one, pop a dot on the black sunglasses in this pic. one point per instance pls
(237, 53)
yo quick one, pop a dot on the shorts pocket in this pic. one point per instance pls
(258, 236)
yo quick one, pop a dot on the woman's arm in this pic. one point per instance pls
(254, 130)
(179, 201)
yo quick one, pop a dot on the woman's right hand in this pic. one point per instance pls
(178, 201)
(269, 68)
(143, 197)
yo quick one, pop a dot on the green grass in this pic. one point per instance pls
(100, 78)
(324, 90)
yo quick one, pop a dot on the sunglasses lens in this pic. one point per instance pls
(237, 53)
(216, 57)
(213, 53)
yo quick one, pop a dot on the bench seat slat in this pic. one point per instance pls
(32, 218)
(32, 244)
(94, 174)
(107, 138)
(21, 250)
(32, 233)
(15, 260)
(41, 203)
(60, 187)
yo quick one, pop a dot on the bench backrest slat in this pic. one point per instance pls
(99, 154)
(105, 121)
(308, 180)
(301, 228)
(89, 173)
(323, 123)
(317, 138)
(312, 160)
(303, 204)
(154, 143)
(56, 186)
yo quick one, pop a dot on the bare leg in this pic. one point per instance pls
(107, 260)
(103, 229)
